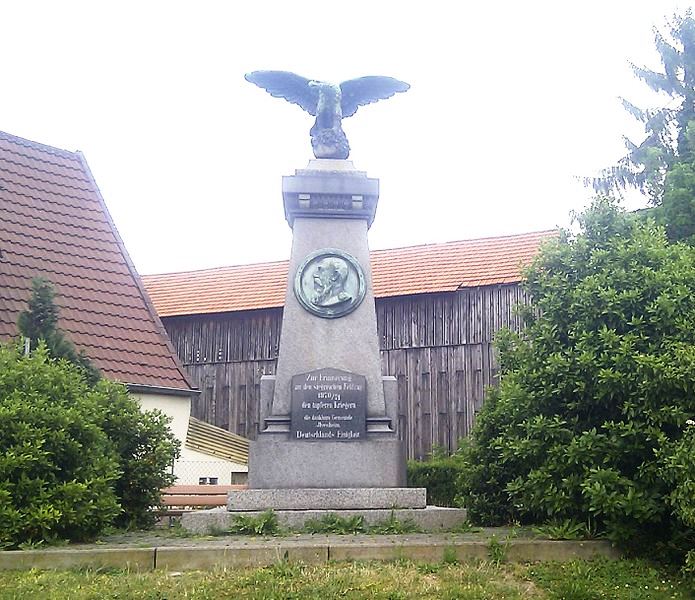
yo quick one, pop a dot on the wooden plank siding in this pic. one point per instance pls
(438, 346)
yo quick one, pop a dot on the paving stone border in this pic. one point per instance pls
(307, 549)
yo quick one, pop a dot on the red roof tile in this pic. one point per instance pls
(395, 272)
(55, 225)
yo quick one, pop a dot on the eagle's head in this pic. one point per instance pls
(329, 89)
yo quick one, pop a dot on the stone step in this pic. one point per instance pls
(325, 499)
(429, 519)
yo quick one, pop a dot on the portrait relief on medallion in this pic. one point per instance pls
(329, 283)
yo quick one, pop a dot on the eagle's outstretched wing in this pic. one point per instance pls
(291, 87)
(365, 90)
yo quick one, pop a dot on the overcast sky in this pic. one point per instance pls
(510, 103)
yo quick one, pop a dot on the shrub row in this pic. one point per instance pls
(439, 475)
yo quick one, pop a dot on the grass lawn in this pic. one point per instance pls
(625, 579)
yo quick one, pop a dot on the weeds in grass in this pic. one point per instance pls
(53, 542)
(601, 578)
(176, 530)
(31, 545)
(394, 526)
(568, 529)
(264, 524)
(497, 551)
(428, 568)
(285, 569)
(617, 580)
(216, 530)
(464, 527)
(450, 557)
(333, 523)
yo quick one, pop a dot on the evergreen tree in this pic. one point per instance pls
(646, 164)
(677, 210)
(40, 322)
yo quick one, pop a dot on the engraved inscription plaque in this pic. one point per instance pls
(330, 283)
(329, 404)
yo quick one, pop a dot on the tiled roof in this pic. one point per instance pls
(54, 224)
(395, 272)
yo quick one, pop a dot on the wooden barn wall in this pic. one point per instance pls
(438, 346)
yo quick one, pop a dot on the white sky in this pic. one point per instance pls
(510, 102)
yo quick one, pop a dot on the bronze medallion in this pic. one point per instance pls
(329, 283)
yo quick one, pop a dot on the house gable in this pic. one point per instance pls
(55, 225)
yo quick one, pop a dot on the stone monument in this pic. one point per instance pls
(328, 438)
(329, 418)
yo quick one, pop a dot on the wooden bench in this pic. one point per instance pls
(179, 499)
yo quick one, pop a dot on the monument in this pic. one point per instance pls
(328, 433)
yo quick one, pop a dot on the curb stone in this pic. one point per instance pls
(314, 551)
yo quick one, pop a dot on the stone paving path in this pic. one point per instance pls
(176, 538)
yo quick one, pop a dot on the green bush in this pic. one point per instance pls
(589, 419)
(74, 458)
(57, 467)
(678, 466)
(145, 449)
(439, 475)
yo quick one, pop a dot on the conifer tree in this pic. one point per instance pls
(677, 210)
(646, 164)
(40, 322)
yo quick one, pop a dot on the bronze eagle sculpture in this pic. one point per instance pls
(329, 103)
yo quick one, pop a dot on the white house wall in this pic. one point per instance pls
(192, 466)
(176, 407)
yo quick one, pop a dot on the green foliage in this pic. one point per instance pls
(497, 551)
(645, 165)
(567, 529)
(465, 527)
(146, 449)
(143, 443)
(264, 524)
(40, 322)
(450, 556)
(57, 467)
(394, 526)
(677, 210)
(588, 421)
(333, 523)
(439, 476)
(677, 468)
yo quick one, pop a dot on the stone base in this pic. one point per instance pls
(429, 519)
(278, 463)
(326, 499)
